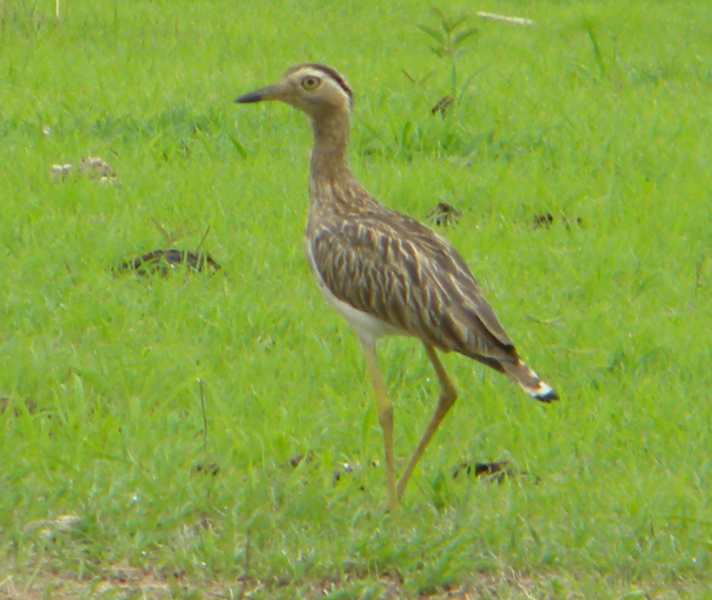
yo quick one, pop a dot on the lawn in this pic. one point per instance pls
(197, 434)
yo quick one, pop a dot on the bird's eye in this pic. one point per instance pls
(310, 82)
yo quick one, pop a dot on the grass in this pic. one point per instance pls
(596, 113)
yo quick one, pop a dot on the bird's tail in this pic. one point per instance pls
(529, 381)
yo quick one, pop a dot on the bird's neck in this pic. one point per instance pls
(330, 169)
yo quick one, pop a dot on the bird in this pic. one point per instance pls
(384, 272)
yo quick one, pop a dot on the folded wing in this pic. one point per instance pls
(408, 276)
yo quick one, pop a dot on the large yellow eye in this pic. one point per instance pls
(310, 82)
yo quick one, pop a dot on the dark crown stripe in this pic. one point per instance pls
(331, 73)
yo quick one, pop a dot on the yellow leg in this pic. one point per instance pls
(385, 415)
(448, 395)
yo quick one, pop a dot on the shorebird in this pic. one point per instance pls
(384, 272)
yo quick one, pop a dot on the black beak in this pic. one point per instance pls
(255, 96)
(271, 92)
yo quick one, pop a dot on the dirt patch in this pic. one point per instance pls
(124, 581)
(444, 214)
(162, 261)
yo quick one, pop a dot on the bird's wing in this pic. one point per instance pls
(405, 274)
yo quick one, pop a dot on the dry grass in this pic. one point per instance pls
(122, 581)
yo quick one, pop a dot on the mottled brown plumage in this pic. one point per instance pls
(384, 272)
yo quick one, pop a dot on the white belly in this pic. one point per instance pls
(367, 327)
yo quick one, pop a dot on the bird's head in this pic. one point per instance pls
(312, 88)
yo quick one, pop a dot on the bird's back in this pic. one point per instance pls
(392, 267)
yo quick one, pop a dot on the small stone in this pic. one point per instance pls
(60, 172)
(96, 167)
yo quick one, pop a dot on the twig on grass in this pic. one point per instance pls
(205, 417)
(202, 239)
(246, 575)
(699, 268)
(496, 17)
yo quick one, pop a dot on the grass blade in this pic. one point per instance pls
(596, 47)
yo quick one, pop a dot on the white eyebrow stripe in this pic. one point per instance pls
(322, 71)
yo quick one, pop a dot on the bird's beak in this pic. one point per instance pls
(271, 92)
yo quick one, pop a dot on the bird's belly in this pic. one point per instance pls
(367, 327)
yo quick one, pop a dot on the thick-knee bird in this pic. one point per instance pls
(384, 272)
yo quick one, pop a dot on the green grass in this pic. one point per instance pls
(599, 112)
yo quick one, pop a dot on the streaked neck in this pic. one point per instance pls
(329, 160)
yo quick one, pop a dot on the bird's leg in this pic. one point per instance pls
(448, 395)
(385, 414)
